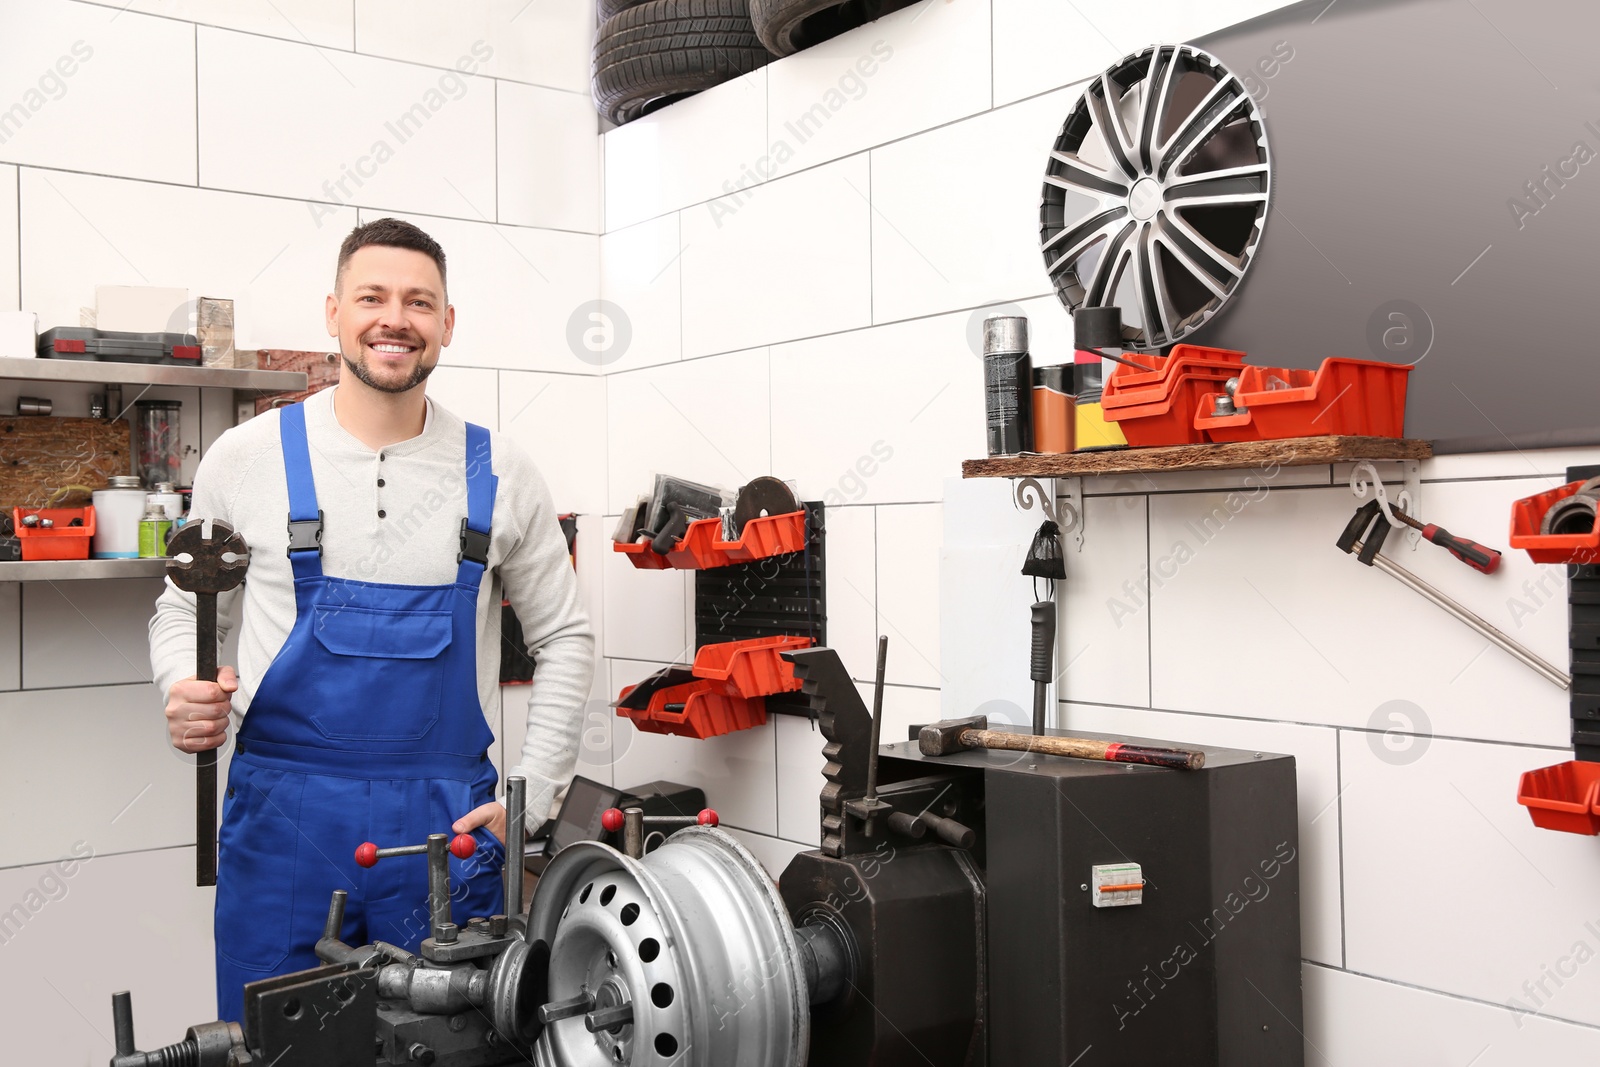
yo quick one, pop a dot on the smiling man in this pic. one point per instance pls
(384, 531)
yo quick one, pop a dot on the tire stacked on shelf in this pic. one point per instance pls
(787, 26)
(650, 54)
(607, 8)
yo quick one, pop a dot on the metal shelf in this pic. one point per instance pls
(102, 372)
(63, 570)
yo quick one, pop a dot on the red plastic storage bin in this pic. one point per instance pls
(729, 691)
(706, 711)
(1123, 377)
(642, 556)
(64, 541)
(1168, 421)
(1526, 516)
(1564, 797)
(1343, 397)
(751, 668)
(1221, 428)
(701, 547)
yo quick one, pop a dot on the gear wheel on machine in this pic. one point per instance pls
(787, 26)
(656, 52)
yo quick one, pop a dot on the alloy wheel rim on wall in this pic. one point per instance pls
(1156, 193)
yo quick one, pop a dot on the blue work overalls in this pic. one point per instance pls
(367, 727)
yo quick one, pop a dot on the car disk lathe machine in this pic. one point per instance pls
(979, 907)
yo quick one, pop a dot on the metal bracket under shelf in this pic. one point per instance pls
(1364, 479)
(1061, 500)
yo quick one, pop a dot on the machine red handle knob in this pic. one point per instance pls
(611, 819)
(368, 854)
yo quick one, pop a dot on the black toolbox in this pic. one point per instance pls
(79, 342)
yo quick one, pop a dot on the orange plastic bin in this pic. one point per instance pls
(1563, 797)
(63, 541)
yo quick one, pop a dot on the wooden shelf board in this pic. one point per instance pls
(1286, 452)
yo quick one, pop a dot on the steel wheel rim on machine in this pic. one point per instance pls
(1156, 193)
(694, 936)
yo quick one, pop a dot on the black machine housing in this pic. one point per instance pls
(994, 954)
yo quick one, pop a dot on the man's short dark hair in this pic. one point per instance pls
(392, 233)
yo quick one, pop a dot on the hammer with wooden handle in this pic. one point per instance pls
(953, 735)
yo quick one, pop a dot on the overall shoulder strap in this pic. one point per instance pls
(305, 518)
(481, 485)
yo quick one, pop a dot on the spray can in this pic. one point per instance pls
(154, 529)
(1008, 384)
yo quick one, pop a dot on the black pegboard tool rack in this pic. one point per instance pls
(1583, 630)
(779, 595)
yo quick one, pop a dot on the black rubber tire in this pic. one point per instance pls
(649, 55)
(787, 26)
(610, 8)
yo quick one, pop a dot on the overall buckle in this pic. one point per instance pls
(305, 535)
(474, 546)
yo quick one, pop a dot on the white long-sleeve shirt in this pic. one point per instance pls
(422, 499)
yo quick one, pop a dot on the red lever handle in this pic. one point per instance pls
(611, 819)
(1469, 552)
(368, 854)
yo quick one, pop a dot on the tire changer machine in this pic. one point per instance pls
(983, 907)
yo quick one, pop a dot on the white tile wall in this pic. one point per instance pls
(1442, 820)
(151, 929)
(65, 72)
(470, 392)
(545, 42)
(640, 268)
(134, 790)
(908, 593)
(1045, 44)
(515, 291)
(644, 610)
(789, 260)
(799, 767)
(276, 263)
(11, 643)
(556, 417)
(1315, 750)
(411, 138)
(1353, 1019)
(1341, 638)
(76, 634)
(548, 157)
(10, 247)
(879, 82)
(706, 146)
(1103, 630)
(702, 419)
(881, 415)
(971, 236)
(738, 771)
(852, 592)
(323, 22)
(903, 707)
